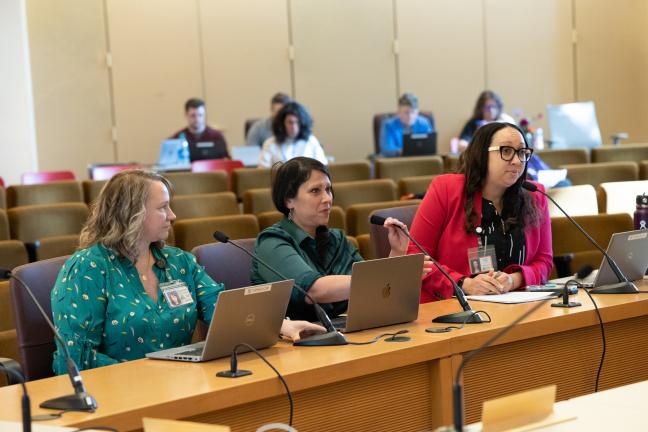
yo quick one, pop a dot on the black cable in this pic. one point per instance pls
(600, 319)
(281, 378)
(377, 338)
(463, 324)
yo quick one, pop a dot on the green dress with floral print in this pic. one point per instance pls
(104, 315)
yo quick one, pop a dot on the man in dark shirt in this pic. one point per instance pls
(204, 142)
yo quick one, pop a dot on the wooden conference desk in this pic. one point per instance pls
(384, 386)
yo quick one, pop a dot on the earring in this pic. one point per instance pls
(291, 214)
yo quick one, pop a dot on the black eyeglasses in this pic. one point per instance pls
(507, 153)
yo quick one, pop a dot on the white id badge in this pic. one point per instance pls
(176, 293)
(482, 259)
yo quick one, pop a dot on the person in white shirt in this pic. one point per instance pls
(292, 137)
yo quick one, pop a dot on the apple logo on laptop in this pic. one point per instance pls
(386, 291)
(249, 320)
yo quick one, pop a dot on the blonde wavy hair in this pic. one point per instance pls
(117, 215)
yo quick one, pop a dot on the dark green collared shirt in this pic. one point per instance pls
(292, 251)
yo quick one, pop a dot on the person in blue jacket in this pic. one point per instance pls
(408, 121)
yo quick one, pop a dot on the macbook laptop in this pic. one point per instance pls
(629, 250)
(252, 315)
(419, 144)
(383, 292)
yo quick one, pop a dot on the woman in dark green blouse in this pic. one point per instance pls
(111, 302)
(301, 247)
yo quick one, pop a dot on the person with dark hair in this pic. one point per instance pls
(125, 293)
(488, 108)
(261, 130)
(292, 137)
(490, 234)
(408, 121)
(199, 135)
(303, 248)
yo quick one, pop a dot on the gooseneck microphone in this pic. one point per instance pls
(331, 337)
(468, 316)
(624, 286)
(14, 376)
(80, 400)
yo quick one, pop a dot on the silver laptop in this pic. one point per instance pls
(252, 315)
(249, 155)
(629, 250)
(383, 292)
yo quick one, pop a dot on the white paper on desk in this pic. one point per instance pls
(512, 297)
(550, 178)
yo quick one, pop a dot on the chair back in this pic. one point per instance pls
(46, 177)
(397, 168)
(350, 171)
(35, 338)
(364, 191)
(618, 153)
(247, 125)
(258, 201)
(643, 170)
(250, 178)
(225, 263)
(91, 189)
(190, 233)
(620, 197)
(48, 193)
(207, 165)
(105, 172)
(204, 205)
(604, 172)
(414, 185)
(378, 234)
(556, 157)
(28, 223)
(12, 254)
(4, 225)
(579, 200)
(189, 183)
(3, 198)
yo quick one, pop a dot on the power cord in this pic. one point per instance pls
(463, 324)
(234, 372)
(377, 338)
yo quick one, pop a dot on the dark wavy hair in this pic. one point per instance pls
(519, 208)
(478, 111)
(305, 122)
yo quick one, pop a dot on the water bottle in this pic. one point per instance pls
(538, 142)
(641, 213)
(183, 151)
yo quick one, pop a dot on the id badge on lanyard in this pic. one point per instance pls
(176, 293)
(483, 258)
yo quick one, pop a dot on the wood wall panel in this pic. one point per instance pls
(245, 54)
(345, 70)
(156, 68)
(441, 59)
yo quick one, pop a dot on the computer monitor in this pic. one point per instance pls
(573, 125)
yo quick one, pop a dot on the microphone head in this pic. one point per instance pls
(5, 273)
(377, 220)
(529, 186)
(584, 271)
(221, 236)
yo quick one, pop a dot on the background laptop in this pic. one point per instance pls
(249, 155)
(383, 292)
(171, 154)
(419, 144)
(252, 315)
(629, 250)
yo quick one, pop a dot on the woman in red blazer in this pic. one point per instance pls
(484, 205)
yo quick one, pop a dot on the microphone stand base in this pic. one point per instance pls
(233, 374)
(566, 305)
(73, 402)
(617, 288)
(325, 339)
(465, 317)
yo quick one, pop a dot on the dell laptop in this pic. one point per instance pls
(383, 292)
(252, 315)
(419, 144)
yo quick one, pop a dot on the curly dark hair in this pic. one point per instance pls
(519, 208)
(478, 111)
(305, 122)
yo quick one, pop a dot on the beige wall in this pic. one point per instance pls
(17, 140)
(345, 67)
(72, 103)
